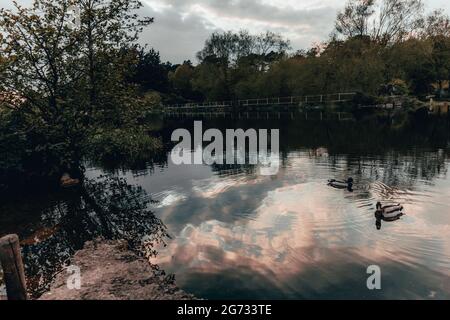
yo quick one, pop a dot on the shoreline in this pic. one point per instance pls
(108, 270)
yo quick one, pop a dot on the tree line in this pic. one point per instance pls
(65, 88)
(377, 47)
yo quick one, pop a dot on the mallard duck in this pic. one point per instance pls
(339, 184)
(389, 211)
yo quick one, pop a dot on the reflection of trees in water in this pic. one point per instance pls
(368, 150)
(233, 169)
(111, 208)
(399, 168)
(107, 207)
(364, 139)
(370, 136)
(140, 166)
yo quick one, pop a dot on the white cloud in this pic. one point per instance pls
(182, 26)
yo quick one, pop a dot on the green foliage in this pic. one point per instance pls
(71, 93)
(229, 58)
(181, 81)
(400, 87)
(62, 86)
(150, 73)
(211, 81)
(230, 48)
(360, 64)
(117, 145)
(376, 44)
(12, 146)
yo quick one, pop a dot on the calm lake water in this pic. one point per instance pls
(238, 234)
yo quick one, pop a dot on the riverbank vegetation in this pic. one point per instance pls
(377, 47)
(72, 90)
(65, 86)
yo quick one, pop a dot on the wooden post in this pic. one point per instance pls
(13, 272)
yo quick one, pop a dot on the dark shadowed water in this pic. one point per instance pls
(238, 234)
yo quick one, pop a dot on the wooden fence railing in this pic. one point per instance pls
(294, 100)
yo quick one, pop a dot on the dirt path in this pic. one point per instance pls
(109, 271)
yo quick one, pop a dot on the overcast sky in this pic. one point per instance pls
(182, 26)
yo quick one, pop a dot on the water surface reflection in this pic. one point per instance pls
(238, 234)
(290, 236)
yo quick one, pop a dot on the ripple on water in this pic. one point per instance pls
(301, 222)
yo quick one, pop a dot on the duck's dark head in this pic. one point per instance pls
(350, 184)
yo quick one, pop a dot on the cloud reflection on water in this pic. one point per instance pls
(294, 230)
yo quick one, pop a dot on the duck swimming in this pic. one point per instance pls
(389, 212)
(339, 184)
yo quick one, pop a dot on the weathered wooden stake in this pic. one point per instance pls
(13, 272)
